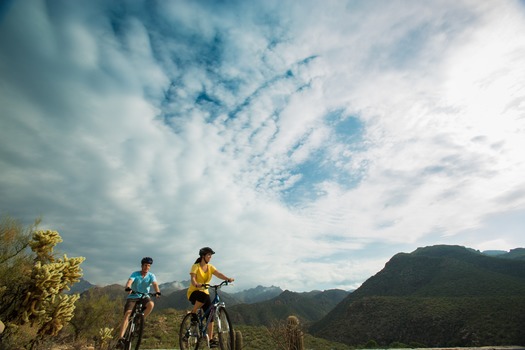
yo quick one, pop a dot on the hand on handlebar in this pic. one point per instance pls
(208, 285)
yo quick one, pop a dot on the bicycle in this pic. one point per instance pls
(135, 328)
(191, 334)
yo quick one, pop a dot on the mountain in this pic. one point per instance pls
(175, 300)
(112, 291)
(178, 300)
(257, 294)
(437, 296)
(170, 287)
(518, 254)
(308, 307)
(80, 287)
(494, 252)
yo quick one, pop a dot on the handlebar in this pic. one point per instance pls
(215, 286)
(142, 295)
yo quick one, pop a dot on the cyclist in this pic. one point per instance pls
(201, 273)
(139, 281)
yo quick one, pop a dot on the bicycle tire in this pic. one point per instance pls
(188, 334)
(224, 329)
(136, 336)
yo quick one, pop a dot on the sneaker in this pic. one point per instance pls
(121, 343)
(214, 343)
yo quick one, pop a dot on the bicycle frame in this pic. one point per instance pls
(211, 312)
(137, 309)
(139, 305)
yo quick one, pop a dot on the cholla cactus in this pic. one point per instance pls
(43, 243)
(58, 314)
(105, 335)
(44, 304)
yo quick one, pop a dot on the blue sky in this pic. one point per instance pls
(306, 142)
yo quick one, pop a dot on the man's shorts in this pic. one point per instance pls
(130, 303)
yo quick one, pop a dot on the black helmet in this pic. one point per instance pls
(146, 260)
(206, 250)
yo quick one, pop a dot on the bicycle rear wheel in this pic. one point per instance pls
(224, 329)
(136, 335)
(188, 334)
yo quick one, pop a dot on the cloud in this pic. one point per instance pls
(295, 140)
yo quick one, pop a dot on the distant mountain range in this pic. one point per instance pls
(174, 293)
(178, 300)
(438, 296)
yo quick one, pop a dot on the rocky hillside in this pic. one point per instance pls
(435, 296)
(308, 307)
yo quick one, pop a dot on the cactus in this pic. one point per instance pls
(43, 243)
(44, 304)
(237, 340)
(105, 335)
(294, 335)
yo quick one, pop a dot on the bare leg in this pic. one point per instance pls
(124, 323)
(149, 308)
(210, 330)
(196, 307)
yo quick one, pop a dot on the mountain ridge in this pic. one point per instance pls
(405, 301)
(307, 306)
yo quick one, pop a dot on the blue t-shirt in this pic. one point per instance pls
(141, 284)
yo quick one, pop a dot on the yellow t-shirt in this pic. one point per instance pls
(201, 277)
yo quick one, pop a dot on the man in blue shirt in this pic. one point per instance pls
(139, 281)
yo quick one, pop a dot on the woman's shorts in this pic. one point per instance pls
(201, 297)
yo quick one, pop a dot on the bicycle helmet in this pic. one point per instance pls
(146, 260)
(206, 250)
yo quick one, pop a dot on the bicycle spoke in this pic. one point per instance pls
(224, 329)
(188, 334)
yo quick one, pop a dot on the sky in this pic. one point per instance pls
(306, 142)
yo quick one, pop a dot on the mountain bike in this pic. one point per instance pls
(135, 328)
(193, 332)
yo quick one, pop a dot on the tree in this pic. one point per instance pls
(95, 311)
(15, 264)
(32, 284)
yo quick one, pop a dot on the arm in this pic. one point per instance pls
(128, 286)
(156, 287)
(220, 275)
(194, 281)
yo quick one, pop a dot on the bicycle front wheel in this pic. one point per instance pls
(224, 329)
(135, 336)
(188, 334)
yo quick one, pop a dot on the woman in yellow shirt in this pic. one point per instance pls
(201, 273)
